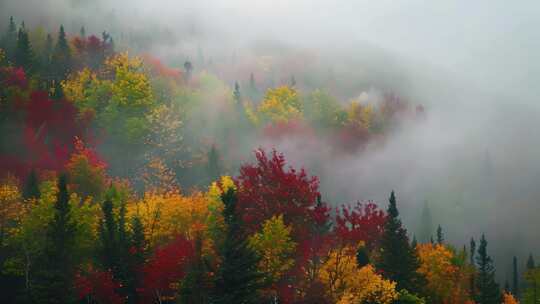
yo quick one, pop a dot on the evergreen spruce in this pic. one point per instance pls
(398, 259)
(515, 280)
(23, 50)
(9, 41)
(440, 236)
(61, 57)
(487, 289)
(236, 94)
(425, 229)
(213, 169)
(188, 69)
(362, 256)
(237, 279)
(55, 277)
(31, 186)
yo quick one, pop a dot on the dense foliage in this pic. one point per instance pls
(122, 181)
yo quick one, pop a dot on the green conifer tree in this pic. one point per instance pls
(237, 280)
(398, 261)
(488, 291)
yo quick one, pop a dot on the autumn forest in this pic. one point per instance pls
(127, 176)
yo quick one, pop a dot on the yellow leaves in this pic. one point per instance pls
(281, 105)
(11, 206)
(217, 188)
(76, 86)
(346, 283)
(275, 248)
(167, 214)
(359, 114)
(508, 298)
(158, 178)
(444, 279)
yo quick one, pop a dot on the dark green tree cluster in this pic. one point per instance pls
(398, 259)
(237, 279)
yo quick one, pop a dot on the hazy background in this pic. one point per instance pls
(473, 64)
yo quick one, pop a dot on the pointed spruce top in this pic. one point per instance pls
(392, 208)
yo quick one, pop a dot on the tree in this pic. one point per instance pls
(188, 69)
(425, 230)
(446, 273)
(236, 94)
(23, 52)
(398, 261)
(167, 266)
(345, 282)
(275, 248)
(237, 279)
(61, 57)
(281, 105)
(532, 278)
(268, 188)
(195, 285)
(31, 186)
(487, 289)
(363, 222)
(9, 41)
(213, 168)
(54, 283)
(440, 236)
(515, 278)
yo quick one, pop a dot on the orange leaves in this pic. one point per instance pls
(446, 281)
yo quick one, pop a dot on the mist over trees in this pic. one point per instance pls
(196, 161)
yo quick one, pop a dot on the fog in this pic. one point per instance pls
(474, 65)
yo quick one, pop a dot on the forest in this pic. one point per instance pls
(129, 178)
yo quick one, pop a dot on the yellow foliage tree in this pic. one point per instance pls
(361, 115)
(345, 282)
(275, 248)
(281, 105)
(11, 207)
(446, 281)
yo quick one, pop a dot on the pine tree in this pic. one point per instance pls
(188, 68)
(515, 282)
(236, 94)
(237, 279)
(398, 260)
(54, 280)
(472, 287)
(425, 229)
(31, 186)
(82, 32)
(487, 289)
(9, 41)
(61, 58)
(23, 50)
(213, 168)
(530, 262)
(362, 256)
(45, 58)
(293, 81)
(440, 236)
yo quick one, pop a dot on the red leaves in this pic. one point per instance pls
(167, 266)
(50, 128)
(98, 285)
(268, 188)
(361, 222)
(13, 76)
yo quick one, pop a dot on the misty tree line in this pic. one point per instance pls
(109, 195)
